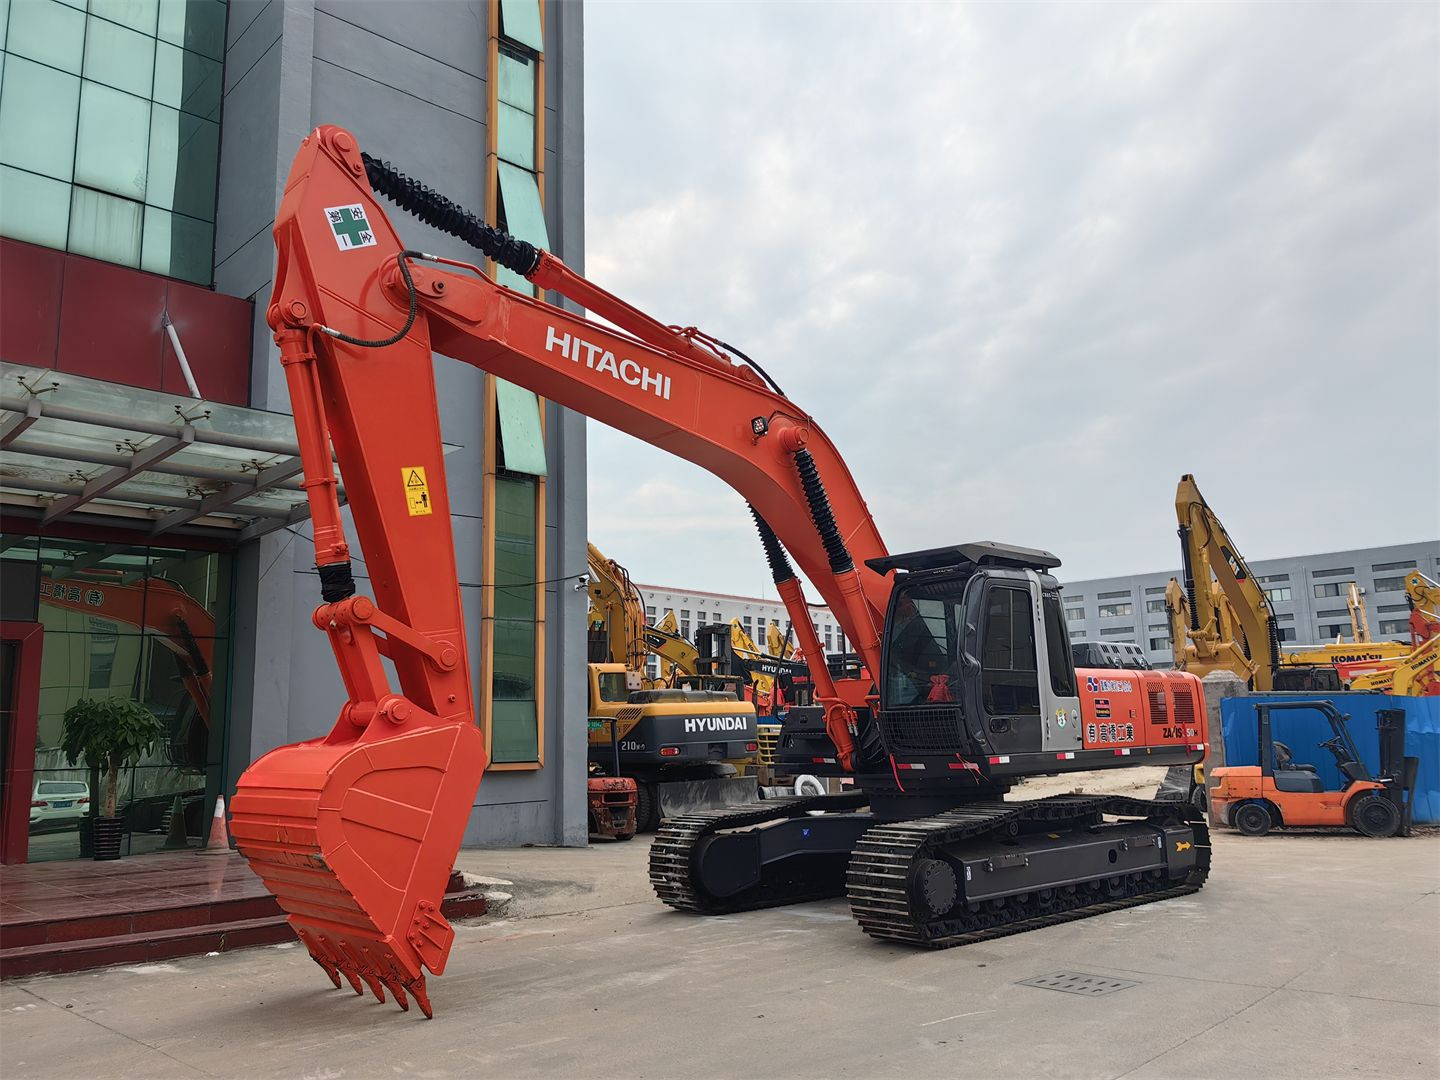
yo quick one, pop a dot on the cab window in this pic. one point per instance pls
(612, 686)
(1062, 673)
(919, 658)
(1009, 682)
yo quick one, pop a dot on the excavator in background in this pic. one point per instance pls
(1359, 620)
(677, 655)
(965, 683)
(1417, 673)
(1228, 621)
(685, 749)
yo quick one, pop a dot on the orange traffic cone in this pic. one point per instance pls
(219, 842)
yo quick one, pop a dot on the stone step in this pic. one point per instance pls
(80, 944)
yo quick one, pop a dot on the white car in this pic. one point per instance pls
(59, 803)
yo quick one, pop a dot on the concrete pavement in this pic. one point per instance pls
(1306, 956)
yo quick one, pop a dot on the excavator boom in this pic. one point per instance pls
(355, 832)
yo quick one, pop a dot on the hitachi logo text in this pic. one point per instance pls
(600, 359)
(697, 724)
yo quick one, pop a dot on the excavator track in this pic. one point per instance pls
(671, 857)
(881, 882)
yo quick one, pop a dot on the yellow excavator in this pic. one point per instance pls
(1417, 673)
(686, 749)
(1221, 619)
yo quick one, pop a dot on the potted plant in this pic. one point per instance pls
(108, 733)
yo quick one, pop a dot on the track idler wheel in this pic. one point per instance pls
(937, 886)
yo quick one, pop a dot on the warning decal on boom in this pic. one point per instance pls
(417, 491)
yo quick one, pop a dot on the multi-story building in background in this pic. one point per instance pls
(144, 146)
(1308, 592)
(694, 608)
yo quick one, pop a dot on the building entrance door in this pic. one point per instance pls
(20, 644)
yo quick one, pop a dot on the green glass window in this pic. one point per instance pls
(521, 216)
(520, 21)
(515, 136)
(119, 57)
(48, 32)
(176, 245)
(137, 14)
(34, 208)
(522, 439)
(197, 26)
(513, 717)
(104, 227)
(123, 102)
(517, 82)
(38, 108)
(187, 81)
(111, 153)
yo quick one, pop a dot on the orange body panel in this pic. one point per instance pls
(1123, 710)
(1242, 783)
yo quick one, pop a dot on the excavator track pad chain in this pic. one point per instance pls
(888, 875)
(674, 845)
(881, 883)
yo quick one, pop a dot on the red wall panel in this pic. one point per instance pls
(110, 323)
(105, 322)
(29, 303)
(215, 333)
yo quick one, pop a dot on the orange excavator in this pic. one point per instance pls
(965, 682)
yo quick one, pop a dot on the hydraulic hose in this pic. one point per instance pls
(439, 212)
(822, 515)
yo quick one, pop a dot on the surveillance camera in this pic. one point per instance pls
(581, 582)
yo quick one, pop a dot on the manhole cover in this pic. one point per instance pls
(1077, 982)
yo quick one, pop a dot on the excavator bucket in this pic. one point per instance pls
(356, 840)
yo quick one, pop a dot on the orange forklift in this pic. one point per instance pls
(1281, 792)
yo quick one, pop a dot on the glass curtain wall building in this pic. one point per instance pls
(144, 145)
(110, 129)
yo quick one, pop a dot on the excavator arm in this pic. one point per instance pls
(618, 602)
(679, 656)
(355, 832)
(1206, 549)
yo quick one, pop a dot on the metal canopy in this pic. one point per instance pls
(74, 448)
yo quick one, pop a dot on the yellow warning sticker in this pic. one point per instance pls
(417, 491)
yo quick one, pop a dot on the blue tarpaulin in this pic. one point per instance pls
(1303, 729)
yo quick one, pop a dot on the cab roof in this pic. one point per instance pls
(966, 557)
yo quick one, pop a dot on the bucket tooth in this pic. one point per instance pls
(373, 981)
(329, 969)
(397, 991)
(422, 998)
(354, 978)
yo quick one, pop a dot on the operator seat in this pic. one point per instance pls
(1291, 776)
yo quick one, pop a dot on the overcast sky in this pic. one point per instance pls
(1026, 264)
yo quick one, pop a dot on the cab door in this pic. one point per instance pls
(1010, 697)
(1059, 695)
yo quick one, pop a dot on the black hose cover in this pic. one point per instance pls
(336, 582)
(822, 515)
(780, 568)
(439, 212)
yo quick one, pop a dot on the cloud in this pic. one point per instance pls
(1027, 264)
